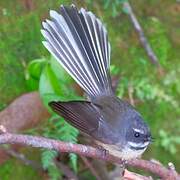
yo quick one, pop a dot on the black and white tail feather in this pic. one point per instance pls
(79, 41)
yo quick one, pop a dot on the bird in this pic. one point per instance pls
(79, 42)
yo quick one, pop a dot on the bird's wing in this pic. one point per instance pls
(85, 116)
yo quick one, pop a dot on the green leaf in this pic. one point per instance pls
(176, 139)
(165, 143)
(59, 71)
(54, 172)
(106, 4)
(114, 10)
(33, 73)
(32, 84)
(73, 160)
(35, 67)
(45, 84)
(49, 84)
(114, 70)
(162, 133)
(47, 158)
(172, 149)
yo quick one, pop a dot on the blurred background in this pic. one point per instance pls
(27, 68)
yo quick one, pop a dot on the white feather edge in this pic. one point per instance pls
(92, 40)
(69, 70)
(45, 25)
(62, 23)
(88, 71)
(85, 83)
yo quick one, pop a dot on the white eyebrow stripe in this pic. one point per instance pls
(138, 130)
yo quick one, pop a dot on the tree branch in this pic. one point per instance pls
(153, 58)
(133, 176)
(41, 142)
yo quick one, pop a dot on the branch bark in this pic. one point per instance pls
(88, 151)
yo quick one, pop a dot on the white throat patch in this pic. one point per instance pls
(136, 145)
(125, 153)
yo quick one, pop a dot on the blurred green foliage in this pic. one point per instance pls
(8, 171)
(25, 65)
(53, 83)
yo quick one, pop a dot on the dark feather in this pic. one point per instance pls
(86, 117)
(80, 114)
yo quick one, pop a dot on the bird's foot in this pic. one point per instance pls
(123, 164)
(103, 151)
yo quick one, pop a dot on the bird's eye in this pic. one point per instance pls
(136, 134)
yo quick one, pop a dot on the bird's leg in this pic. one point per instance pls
(123, 167)
(103, 151)
(123, 164)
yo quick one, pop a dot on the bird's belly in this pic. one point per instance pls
(125, 153)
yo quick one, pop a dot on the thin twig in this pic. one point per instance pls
(130, 94)
(89, 165)
(23, 159)
(134, 176)
(153, 58)
(118, 172)
(66, 171)
(41, 142)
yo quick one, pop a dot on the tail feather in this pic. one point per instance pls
(79, 42)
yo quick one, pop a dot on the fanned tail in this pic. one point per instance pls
(79, 41)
